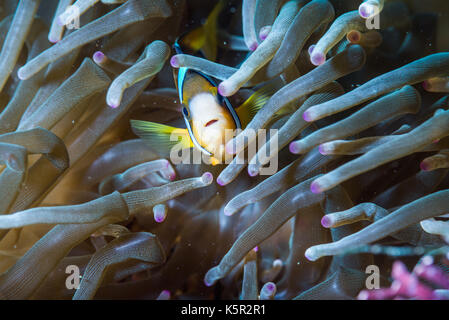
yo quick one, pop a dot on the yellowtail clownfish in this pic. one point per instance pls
(207, 114)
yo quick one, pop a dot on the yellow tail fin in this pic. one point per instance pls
(161, 137)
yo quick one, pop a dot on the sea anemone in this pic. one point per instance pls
(359, 131)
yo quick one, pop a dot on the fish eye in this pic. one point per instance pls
(185, 112)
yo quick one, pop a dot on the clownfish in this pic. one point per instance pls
(207, 114)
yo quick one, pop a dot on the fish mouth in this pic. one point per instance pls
(211, 122)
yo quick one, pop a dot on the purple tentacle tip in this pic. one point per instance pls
(229, 147)
(308, 255)
(310, 50)
(307, 116)
(322, 149)
(366, 10)
(159, 213)
(293, 147)
(222, 89)
(317, 58)
(98, 57)
(326, 222)
(253, 46)
(264, 32)
(174, 62)
(207, 283)
(53, 40)
(207, 177)
(270, 286)
(424, 166)
(220, 181)
(363, 12)
(158, 218)
(363, 295)
(252, 171)
(164, 295)
(315, 187)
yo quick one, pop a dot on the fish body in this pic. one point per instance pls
(207, 115)
(210, 118)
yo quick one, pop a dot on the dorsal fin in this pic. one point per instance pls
(248, 109)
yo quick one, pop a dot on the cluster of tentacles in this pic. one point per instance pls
(362, 142)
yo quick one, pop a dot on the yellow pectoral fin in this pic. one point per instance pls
(161, 137)
(248, 109)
